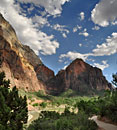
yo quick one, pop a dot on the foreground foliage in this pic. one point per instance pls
(105, 106)
(51, 120)
(13, 108)
(115, 79)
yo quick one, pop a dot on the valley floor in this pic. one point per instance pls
(33, 115)
(38, 103)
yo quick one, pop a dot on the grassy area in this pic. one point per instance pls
(68, 98)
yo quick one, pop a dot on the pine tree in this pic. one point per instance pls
(13, 108)
(114, 79)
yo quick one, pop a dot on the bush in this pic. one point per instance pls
(43, 104)
(35, 104)
(40, 93)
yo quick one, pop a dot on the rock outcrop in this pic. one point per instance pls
(79, 76)
(19, 61)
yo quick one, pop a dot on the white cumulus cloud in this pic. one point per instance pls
(107, 48)
(65, 67)
(61, 28)
(101, 66)
(39, 20)
(75, 29)
(27, 31)
(80, 44)
(53, 7)
(82, 16)
(73, 56)
(104, 49)
(64, 35)
(96, 28)
(84, 33)
(105, 12)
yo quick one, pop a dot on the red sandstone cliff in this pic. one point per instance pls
(19, 61)
(79, 76)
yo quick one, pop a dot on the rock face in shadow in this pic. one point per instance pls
(44, 73)
(19, 61)
(78, 76)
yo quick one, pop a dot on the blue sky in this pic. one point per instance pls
(60, 31)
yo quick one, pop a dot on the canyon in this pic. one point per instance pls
(26, 71)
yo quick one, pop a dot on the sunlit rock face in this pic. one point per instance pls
(19, 61)
(79, 76)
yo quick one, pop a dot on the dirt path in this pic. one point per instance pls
(105, 126)
(32, 115)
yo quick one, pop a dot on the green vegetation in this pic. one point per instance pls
(69, 93)
(85, 92)
(35, 104)
(68, 97)
(43, 104)
(13, 108)
(114, 79)
(41, 94)
(51, 120)
(105, 106)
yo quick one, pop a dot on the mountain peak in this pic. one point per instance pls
(78, 60)
(79, 76)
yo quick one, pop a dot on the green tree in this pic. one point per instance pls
(114, 79)
(13, 108)
(43, 104)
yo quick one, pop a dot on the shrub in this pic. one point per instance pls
(35, 104)
(43, 104)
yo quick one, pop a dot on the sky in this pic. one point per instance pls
(59, 31)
